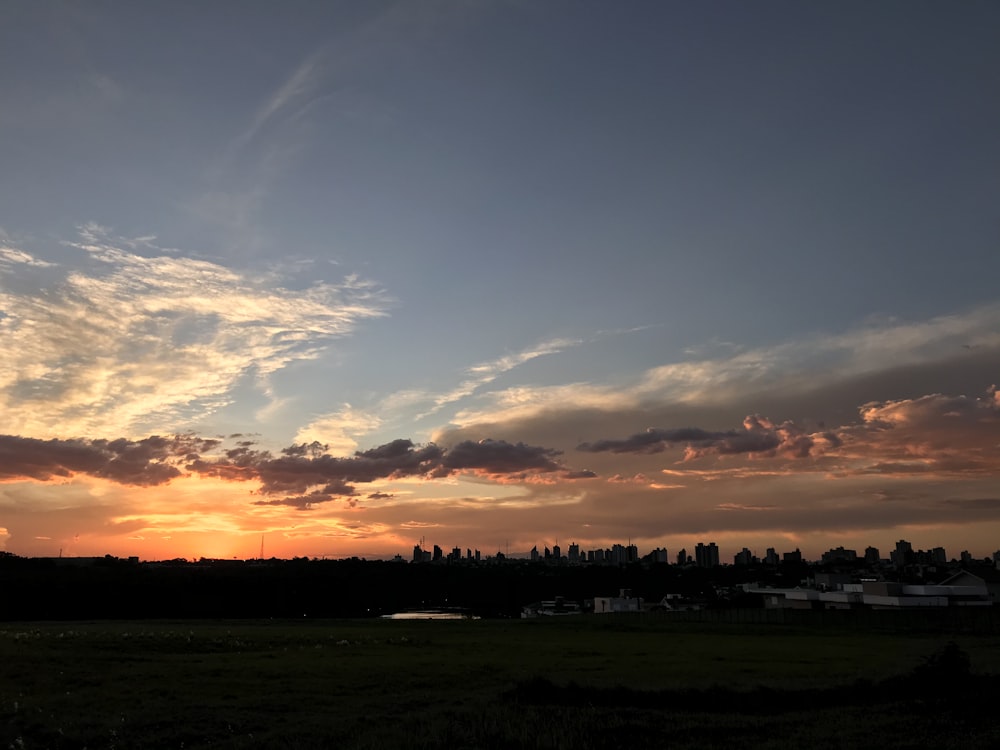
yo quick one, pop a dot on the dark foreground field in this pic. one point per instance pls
(556, 683)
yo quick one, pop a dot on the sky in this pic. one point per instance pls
(329, 278)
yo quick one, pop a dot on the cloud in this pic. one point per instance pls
(146, 462)
(820, 454)
(334, 66)
(484, 373)
(476, 378)
(296, 93)
(135, 343)
(790, 438)
(11, 256)
(977, 503)
(935, 433)
(305, 475)
(336, 430)
(640, 479)
(652, 440)
(303, 467)
(758, 437)
(930, 434)
(819, 373)
(498, 457)
(328, 84)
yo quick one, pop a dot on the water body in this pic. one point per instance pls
(429, 614)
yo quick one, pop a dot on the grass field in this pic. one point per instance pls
(549, 683)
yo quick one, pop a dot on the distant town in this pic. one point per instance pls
(703, 555)
(545, 582)
(706, 555)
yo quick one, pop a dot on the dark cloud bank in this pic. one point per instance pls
(759, 436)
(144, 463)
(954, 435)
(301, 476)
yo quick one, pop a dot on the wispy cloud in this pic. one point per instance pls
(330, 82)
(294, 94)
(800, 367)
(142, 343)
(11, 256)
(484, 373)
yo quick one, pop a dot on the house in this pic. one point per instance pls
(550, 608)
(624, 602)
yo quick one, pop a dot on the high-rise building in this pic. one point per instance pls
(839, 555)
(743, 557)
(771, 557)
(872, 556)
(903, 554)
(706, 555)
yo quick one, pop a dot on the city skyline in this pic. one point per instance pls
(346, 276)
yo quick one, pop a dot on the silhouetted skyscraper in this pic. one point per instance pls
(792, 557)
(618, 554)
(903, 554)
(706, 555)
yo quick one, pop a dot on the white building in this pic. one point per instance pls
(960, 590)
(624, 602)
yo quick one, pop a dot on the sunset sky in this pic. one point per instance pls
(342, 275)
